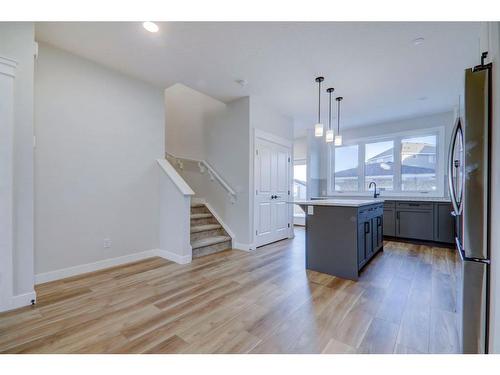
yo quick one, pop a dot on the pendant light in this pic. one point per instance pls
(318, 128)
(329, 132)
(338, 137)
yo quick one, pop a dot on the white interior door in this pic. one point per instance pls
(272, 192)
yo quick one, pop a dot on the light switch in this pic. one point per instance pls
(310, 210)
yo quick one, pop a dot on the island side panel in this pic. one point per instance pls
(331, 241)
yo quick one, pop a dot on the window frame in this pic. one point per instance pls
(396, 138)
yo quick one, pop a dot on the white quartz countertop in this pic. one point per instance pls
(394, 198)
(339, 202)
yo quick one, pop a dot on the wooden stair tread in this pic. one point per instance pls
(200, 216)
(205, 227)
(209, 241)
(195, 204)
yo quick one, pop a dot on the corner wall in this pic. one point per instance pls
(99, 134)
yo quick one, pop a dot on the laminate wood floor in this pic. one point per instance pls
(239, 302)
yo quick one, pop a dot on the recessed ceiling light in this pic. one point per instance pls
(150, 26)
(418, 41)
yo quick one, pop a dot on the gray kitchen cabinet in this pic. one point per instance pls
(427, 221)
(340, 239)
(370, 233)
(389, 222)
(378, 232)
(389, 218)
(415, 223)
(444, 223)
(361, 244)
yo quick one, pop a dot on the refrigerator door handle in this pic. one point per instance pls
(451, 164)
(465, 258)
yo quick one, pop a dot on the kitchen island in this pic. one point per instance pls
(342, 235)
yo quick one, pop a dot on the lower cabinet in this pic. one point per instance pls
(378, 232)
(370, 234)
(427, 221)
(415, 224)
(444, 223)
(389, 222)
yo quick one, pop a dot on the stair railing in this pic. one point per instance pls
(204, 166)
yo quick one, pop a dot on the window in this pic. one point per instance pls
(299, 186)
(379, 163)
(404, 163)
(418, 163)
(346, 168)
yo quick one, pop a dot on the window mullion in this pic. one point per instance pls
(397, 164)
(361, 167)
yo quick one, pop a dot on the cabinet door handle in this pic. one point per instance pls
(414, 205)
(367, 227)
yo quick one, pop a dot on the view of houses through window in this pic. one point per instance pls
(397, 164)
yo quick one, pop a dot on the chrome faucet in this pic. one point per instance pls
(375, 194)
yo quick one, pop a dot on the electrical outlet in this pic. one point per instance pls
(107, 243)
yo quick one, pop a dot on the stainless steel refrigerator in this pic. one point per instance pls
(469, 184)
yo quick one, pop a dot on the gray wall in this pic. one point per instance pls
(99, 134)
(228, 151)
(17, 42)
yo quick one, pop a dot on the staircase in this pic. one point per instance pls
(207, 235)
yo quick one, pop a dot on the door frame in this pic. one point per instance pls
(269, 137)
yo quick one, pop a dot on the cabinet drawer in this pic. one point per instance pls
(415, 205)
(370, 211)
(389, 204)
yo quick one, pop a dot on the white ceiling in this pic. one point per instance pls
(375, 66)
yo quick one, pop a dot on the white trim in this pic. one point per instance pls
(244, 246)
(396, 138)
(7, 77)
(175, 177)
(91, 267)
(18, 301)
(168, 255)
(22, 300)
(258, 133)
(111, 262)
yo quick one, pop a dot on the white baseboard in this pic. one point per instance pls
(107, 263)
(19, 300)
(91, 267)
(244, 246)
(23, 299)
(181, 259)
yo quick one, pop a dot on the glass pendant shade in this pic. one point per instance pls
(329, 136)
(318, 130)
(338, 140)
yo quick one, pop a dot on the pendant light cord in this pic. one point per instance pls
(319, 102)
(330, 112)
(338, 118)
